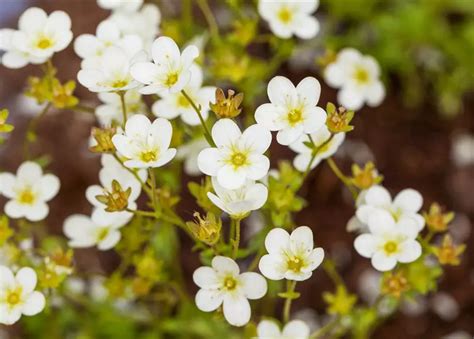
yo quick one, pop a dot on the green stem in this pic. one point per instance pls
(135, 174)
(236, 242)
(341, 176)
(153, 189)
(31, 130)
(314, 154)
(211, 20)
(290, 288)
(330, 269)
(197, 109)
(124, 107)
(321, 332)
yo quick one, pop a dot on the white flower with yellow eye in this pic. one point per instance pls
(170, 70)
(237, 156)
(292, 256)
(287, 18)
(28, 191)
(175, 104)
(18, 295)
(120, 5)
(358, 78)
(389, 242)
(292, 111)
(223, 284)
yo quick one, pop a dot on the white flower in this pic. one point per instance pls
(190, 152)
(389, 242)
(292, 256)
(357, 77)
(113, 170)
(239, 202)
(120, 5)
(175, 104)
(18, 295)
(170, 71)
(101, 229)
(326, 148)
(107, 34)
(111, 110)
(223, 284)
(238, 156)
(292, 111)
(144, 23)
(145, 144)
(462, 150)
(406, 204)
(295, 329)
(28, 191)
(290, 17)
(110, 72)
(38, 38)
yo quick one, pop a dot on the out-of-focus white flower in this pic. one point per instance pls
(110, 72)
(237, 156)
(170, 71)
(357, 77)
(292, 111)
(143, 22)
(241, 201)
(75, 285)
(18, 295)
(113, 170)
(462, 150)
(292, 256)
(445, 306)
(28, 191)
(101, 229)
(389, 242)
(111, 109)
(457, 335)
(145, 144)
(189, 152)
(175, 104)
(38, 37)
(326, 146)
(223, 284)
(406, 204)
(368, 285)
(107, 34)
(295, 329)
(120, 5)
(286, 18)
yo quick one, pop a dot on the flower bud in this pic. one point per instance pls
(227, 107)
(394, 284)
(366, 177)
(338, 120)
(436, 220)
(103, 137)
(5, 231)
(4, 127)
(117, 200)
(448, 253)
(207, 230)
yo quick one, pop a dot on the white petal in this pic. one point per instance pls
(296, 329)
(267, 114)
(272, 266)
(383, 263)
(225, 265)
(307, 27)
(381, 222)
(301, 239)
(351, 97)
(289, 135)
(257, 138)
(236, 310)
(315, 258)
(259, 167)
(334, 75)
(29, 171)
(365, 245)
(165, 158)
(144, 72)
(268, 329)
(408, 200)
(375, 94)
(230, 178)
(258, 195)
(6, 277)
(14, 210)
(189, 54)
(36, 212)
(32, 20)
(410, 251)
(378, 196)
(277, 240)
(137, 125)
(253, 285)
(34, 304)
(26, 277)
(164, 50)
(49, 186)
(161, 132)
(225, 132)
(309, 90)
(316, 118)
(205, 277)
(208, 161)
(208, 300)
(281, 91)
(9, 316)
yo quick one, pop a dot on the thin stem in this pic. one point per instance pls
(211, 20)
(124, 108)
(330, 269)
(142, 213)
(321, 332)
(341, 176)
(153, 188)
(315, 153)
(236, 243)
(290, 288)
(135, 174)
(197, 109)
(31, 129)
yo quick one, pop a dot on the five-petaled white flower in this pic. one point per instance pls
(406, 204)
(110, 72)
(292, 111)
(389, 241)
(175, 104)
(295, 329)
(28, 191)
(145, 144)
(292, 256)
(120, 5)
(223, 284)
(101, 229)
(107, 34)
(170, 71)
(237, 156)
(357, 77)
(241, 201)
(290, 17)
(325, 145)
(38, 37)
(111, 110)
(18, 295)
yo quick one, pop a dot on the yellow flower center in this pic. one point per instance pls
(396, 214)
(148, 156)
(390, 247)
(44, 43)
(102, 234)
(295, 264)
(119, 83)
(285, 15)
(26, 197)
(238, 159)
(14, 297)
(183, 102)
(171, 79)
(294, 116)
(361, 75)
(230, 283)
